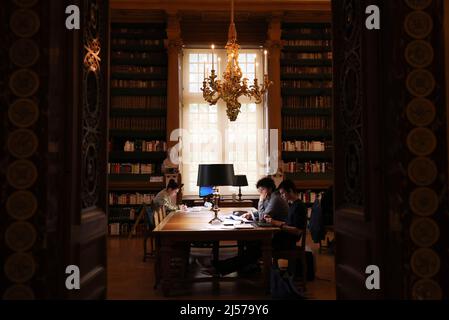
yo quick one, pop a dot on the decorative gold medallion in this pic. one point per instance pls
(427, 289)
(419, 54)
(418, 4)
(424, 232)
(425, 263)
(24, 23)
(25, 3)
(21, 205)
(424, 202)
(24, 53)
(421, 141)
(421, 112)
(24, 83)
(20, 236)
(418, 24)
(422, 171)
(420, 83)
(18, 292)
(22, 143)
(21, 174)
(20, 267)
(23, 113)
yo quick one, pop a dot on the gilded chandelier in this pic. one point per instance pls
(233, 86)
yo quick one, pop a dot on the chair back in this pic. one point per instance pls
(159, 214)
(148, 216)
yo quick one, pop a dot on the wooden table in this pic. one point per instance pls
(186, 227)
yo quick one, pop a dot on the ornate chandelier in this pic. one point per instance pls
(233, 86)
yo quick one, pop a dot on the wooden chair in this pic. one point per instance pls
(293, 256)
(152, 217)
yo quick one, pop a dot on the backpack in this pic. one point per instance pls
(282, 286)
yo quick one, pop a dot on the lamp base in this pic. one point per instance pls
(216, 218)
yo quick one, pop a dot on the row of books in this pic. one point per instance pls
(306, 55)
(307, 167)
(138, 69)
(306, 146)
(142, 146)
(140, 42)
(308, 102)
(138, 55)
(139, 102)
(307, 123)
(307, 30)
(308, 43)
(130, 198)
(116, 83)
(133, 168)
(305, 84)
(306, 70)
(309, 196)
(137, 124)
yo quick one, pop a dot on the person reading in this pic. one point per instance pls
(271, 206)
(167, 197)
(270, 202)
(293, 227)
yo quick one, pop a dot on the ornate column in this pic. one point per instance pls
(274, 46)
(174, 47)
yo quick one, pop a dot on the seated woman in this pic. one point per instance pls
(167, 197)
(292, 228)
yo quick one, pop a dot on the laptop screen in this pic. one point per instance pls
(206, 191)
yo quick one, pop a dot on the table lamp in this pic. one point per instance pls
(215, 175)
(240, 181)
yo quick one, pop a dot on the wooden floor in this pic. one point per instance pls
(129, 278)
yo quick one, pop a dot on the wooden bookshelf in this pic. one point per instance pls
(137, 119)
(306, 90)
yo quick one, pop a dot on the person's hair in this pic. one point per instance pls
(172, 184)
(288, 186)
(266, 183)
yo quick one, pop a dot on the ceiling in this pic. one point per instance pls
(206, 21)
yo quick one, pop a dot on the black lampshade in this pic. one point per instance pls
(215, 175)
(240, 181)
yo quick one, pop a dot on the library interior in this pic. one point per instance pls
(220, 149)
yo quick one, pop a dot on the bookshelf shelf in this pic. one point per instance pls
(307, 134)
(138, 91)
(139, 35)
(139, 76)
(296, 76)
(306, 90)
(137, 48)
(137, 118)
(138, 112)
(301, 36)
(307, 49)
(118, 156)
(307, 62)
(127, 186)
(139, 62)
(150, 134)
(306, 155)
(306, 111)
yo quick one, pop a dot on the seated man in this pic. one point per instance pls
(167, 197)
(291, 229)
(270, 205)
